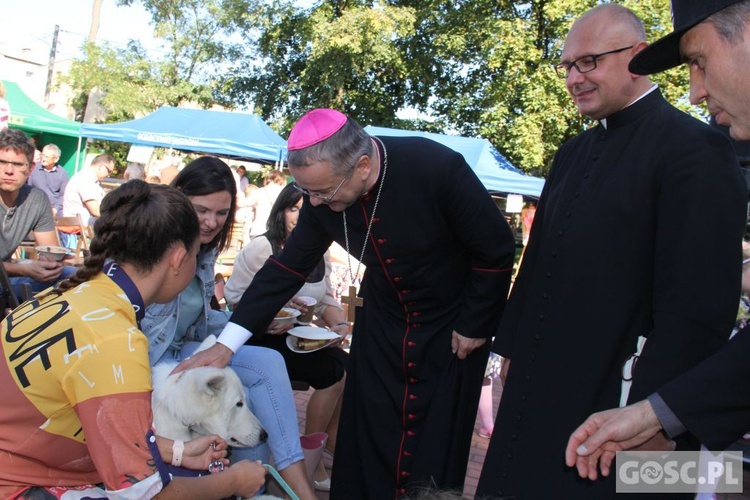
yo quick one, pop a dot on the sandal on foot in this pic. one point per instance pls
(324, 485)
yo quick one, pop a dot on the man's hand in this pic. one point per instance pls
(605, 433)
(42, 270)
(462, 346)
(217, 355)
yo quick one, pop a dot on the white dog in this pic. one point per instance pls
(203, 401)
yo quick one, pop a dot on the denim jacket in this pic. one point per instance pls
(161, 319)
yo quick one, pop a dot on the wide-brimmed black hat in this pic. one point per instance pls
(665, 52)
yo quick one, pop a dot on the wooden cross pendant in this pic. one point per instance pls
(352, 301)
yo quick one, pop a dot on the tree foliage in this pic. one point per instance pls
(475, 67)
(197, 38)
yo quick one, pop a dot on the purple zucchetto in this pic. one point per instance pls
(316, 126)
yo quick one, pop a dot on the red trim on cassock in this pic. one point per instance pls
(403, 351)
(282, 266)
(481, 269)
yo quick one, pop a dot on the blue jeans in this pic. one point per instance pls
(269, 394)
(37, 286)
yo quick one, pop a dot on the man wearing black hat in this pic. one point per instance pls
(616, 253)
(711, 401)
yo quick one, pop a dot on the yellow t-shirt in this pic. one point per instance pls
(76, 385)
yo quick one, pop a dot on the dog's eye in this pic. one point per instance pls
(240, 404)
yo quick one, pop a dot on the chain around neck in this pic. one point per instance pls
(352, 275)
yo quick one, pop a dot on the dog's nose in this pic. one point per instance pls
(263, 436)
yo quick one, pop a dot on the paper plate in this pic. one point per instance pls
(313, 333)
(290, 313)
(291, 343)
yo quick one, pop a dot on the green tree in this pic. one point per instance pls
(499, 80)
(477, 67)
(338, 54)
(197, 35)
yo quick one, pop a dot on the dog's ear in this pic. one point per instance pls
(215, 383)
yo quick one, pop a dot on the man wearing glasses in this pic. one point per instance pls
(711, 401)
(50, 177)
(84, 192)
(24, 209)
(439, 257)
(622, 255)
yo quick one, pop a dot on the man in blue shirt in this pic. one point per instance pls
(50, 177)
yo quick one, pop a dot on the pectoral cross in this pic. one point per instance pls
(352, 301)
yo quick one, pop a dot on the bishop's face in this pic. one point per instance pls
(325, 187)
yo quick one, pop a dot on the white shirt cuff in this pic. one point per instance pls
(234, 336)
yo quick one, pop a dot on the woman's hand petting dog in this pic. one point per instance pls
(201, 452)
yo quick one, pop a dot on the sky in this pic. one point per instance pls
(31, 24)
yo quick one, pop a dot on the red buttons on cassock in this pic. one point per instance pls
(397, 279)
(411, 433)
(411, 344)
(412, 397)
(389, 261)
(411, 416)
(405, 474)
(381, 241)
(413, 380)
(375, 219)
(403, 491)
(416, 313)
(411, 365)
(415, 325)
(407, 454)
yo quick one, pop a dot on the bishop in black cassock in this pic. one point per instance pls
(439, 258)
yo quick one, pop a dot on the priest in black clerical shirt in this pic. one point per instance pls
(632, 271)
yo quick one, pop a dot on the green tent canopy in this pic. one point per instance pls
(45, 126)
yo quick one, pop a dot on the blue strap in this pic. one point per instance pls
(160, 465)
(287, 489)
(119, 276)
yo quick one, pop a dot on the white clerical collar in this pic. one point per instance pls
(653, 87)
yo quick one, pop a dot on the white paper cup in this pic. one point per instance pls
(306, 318)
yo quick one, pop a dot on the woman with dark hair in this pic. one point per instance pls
(76, 378)
(176, 328)
(324, 369)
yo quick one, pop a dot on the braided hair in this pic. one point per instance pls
(139, 222)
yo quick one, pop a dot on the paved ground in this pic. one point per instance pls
(476, 458)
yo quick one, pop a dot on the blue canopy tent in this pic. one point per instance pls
(493, 169)
(241, 136)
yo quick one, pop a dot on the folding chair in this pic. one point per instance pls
(74, 225)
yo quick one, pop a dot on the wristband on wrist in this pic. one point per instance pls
(177, 448)
(342, 323)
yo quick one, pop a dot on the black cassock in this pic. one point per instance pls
(712, 400)
(439, 259)
(637, 232)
